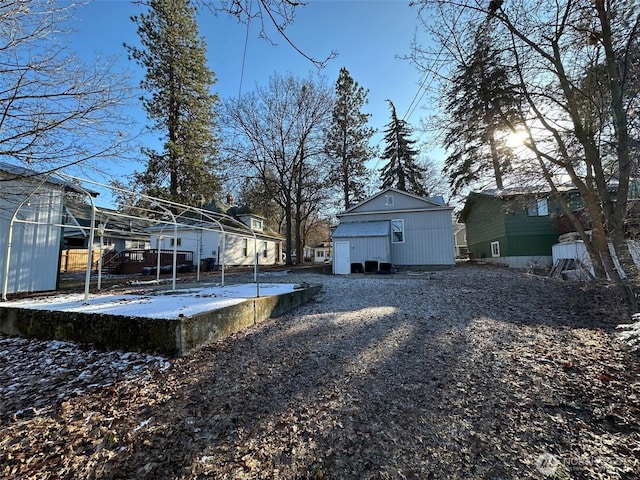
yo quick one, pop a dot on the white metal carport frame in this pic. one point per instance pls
(156, 210)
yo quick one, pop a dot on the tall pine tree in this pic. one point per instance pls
(180, 103)
(482, 107)
(347, 139)
(402, 170)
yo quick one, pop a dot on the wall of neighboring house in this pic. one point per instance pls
(485, 224)
(322, 254)
(460, 241)
(509, 231)
(199, 242)
(35, 247)
(241, 251)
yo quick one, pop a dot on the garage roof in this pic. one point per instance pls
(362, 229)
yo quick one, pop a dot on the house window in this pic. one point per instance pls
(495, 249)
(397, 231)
(136, 244)
(538, 208)
(245, 247)
(176, 241)
(320, 254)
(264, 249)
(388, 200)
(256, 224)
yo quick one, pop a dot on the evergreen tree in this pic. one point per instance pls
(482, 107)
(402, 171)
(347, 139)
(180, 104)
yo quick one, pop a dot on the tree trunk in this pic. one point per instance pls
(495, 160)
(288, 214)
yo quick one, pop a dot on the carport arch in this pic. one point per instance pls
(157, 210)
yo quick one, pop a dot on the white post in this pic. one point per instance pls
(87, 279)
(199, 249)
(7, 257)
(101, 233)
(224, 252)
(175, 252)
(158, 259)
(256, 276)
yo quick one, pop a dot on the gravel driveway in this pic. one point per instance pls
(472, 372)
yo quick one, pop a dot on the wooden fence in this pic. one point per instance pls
(75, 259)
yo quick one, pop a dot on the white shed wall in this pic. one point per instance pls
(35, 247)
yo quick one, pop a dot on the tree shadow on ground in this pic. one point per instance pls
(471, 378)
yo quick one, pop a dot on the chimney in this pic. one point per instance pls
(229, 199)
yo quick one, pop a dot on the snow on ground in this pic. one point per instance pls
(153, 303)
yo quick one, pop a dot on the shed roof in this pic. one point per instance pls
(17, 172)
(362, 229)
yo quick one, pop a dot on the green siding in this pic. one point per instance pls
(490, 219)
(531, 235)
(538, 245)
(484, 223)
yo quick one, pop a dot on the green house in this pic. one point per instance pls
(513, 227)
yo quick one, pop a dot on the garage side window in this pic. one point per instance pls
(397, 231)
(245, 247)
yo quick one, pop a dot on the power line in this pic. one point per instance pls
(416, 100)
(244, 52)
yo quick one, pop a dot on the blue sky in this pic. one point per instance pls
(368, 35)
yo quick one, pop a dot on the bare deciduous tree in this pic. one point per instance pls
(276, 135)
(578, 123)
(54, 110)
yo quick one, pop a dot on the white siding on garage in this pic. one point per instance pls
(370, 249)
(428, 239)
(369, 241)
(394, 200)
(428, 236)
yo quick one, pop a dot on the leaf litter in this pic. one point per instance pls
(472, 372)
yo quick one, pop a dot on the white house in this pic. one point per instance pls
(322, 252)
(394, 229)
(460, 240)
(233, 247)
(31, 208)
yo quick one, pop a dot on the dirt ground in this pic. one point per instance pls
(467, 373)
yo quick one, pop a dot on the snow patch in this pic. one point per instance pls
(158, 305)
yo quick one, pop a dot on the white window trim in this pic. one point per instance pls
(495, 249)
(401, 220)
